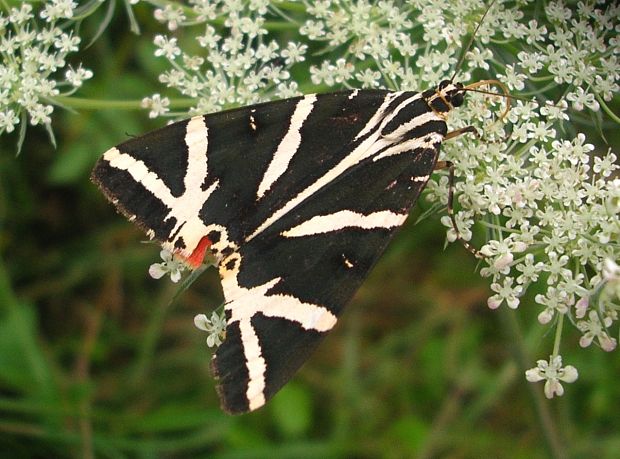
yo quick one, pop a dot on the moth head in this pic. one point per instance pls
(451, 94)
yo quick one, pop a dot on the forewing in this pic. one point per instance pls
(297, 199)
(217, 169)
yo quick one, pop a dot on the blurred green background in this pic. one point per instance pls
(95, 360)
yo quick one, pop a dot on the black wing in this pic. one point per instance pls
(296, 198)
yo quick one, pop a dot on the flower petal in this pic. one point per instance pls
(157, 270)
(201, 322)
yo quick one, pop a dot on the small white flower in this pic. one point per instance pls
(158, 105)
(580, 98)
(39, 114)
(173, 16)
(58, 9)
(503, 252)
(322, 73)
(555, 111)
(555, 267)
(555, 300)
(215, 327)
(463, 222)
(505, 292)
(19, 16)
(593, 328)
(529, 269)
(294, 52)
(313, 29)
(552, 373)
(289, 89)
(67, 43)
(368, 78)
(8, 121)
(605, 165)
(170, 265)
(76, 77)
(166, 47)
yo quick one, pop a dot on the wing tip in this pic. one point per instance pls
(228, 406)
(97, 177)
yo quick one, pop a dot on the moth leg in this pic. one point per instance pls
(450, 166)
(465, 130)
(474, 131)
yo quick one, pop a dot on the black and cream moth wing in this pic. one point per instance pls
(296, 199)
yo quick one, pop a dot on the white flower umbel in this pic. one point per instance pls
(170, 265)
(244, 66)
(548, 201)
(552, 372)
(35, 42)
(214, 326)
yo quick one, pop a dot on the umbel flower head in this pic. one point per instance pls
(34, 66)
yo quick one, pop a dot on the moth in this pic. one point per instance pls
(295, 199)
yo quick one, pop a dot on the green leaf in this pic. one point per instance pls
(24, 365)
(409, 433)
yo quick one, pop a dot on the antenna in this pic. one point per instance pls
(471, 41)
(502, 86)
(473, 88)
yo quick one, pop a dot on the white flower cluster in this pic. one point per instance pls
(544, 196)
(551, 211)
(539, 196)
(548, 202)
(231, 65)
(33, 57)
(373, 31)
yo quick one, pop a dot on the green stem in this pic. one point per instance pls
(558, 335)
(557, 446)
(152, 334)
(607, 110)
(95, 104)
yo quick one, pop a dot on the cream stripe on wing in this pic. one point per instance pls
(245, 303)
(197, 141)
(288, 146)
(346, 219)
(141, 174)
(255, 364)
(429, 141)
